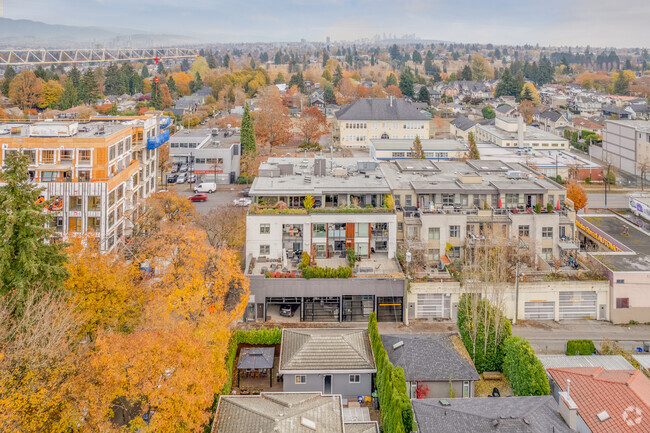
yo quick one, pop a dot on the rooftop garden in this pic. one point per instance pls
(281, 208)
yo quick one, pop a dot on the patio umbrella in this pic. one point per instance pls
(558, 205)
(500, 202)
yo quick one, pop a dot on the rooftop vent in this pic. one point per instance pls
(398, 345)
(526, 421)
(306, 422)
(444, 402)
(495, 422)
(603, 416)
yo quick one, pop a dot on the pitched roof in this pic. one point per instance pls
(586, 123)
(463, 123)
(281, 412)
(428, 357)
(505, 108)
(503, 415)
(362, 427)
(552, 115)
(326, 350)
(619, 392)
(380, 109)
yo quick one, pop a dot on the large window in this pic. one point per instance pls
(66, 155)
(433, 255)
(84, 175)
(320, 230)
(47, 156)
(547, 253)
(448, 199)
(49, 176)
(76, 202)
(361, 230)
(547, 232)
(265, 229)
(31, 154)
(94, 224)
(265, 250)
(454, 231)
(524, 231)
(434, 233)
(355, 378)
(84, 156)
(74, 225)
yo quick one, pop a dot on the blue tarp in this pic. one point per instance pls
(158, 140)
(165, 121)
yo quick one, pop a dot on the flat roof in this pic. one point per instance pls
(427, 145)
(643, 359)
(639, 125)
(608, 362)
(531, 133)
(85, 130)
(637, 240)
(540, 158)
(191, 135)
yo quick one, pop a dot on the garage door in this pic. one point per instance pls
(577, 305)
(433, 306)
(539, 310)
(324, 309)
(389, 309)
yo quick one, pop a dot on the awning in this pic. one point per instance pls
(256, 358)
(567, 246)
(445, 260)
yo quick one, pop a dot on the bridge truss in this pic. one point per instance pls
(46, 57)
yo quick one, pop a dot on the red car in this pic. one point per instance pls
(198, 197)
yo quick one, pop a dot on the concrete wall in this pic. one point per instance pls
(619, 146)
(634, 286)
(340, 384)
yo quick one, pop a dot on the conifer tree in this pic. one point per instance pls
(473, 149)
(417, 152)
(248, 143)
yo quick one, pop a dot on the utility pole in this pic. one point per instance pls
(514, 321)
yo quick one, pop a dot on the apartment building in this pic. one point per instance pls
(444, 206)
(214, 155)
(380, 118)
(95, 172)
(512, 132)
(626, 145)
(437, 150)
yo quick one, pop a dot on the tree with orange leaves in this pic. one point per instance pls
(576, 194)
(347, 92)
(312, 123)
(272, 122)
(182, 80)
(393, 91)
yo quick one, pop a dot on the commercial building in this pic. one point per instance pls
(94, 172)
(380, 118)
(620, 248)
(214, 155)
(626, 145)
(437, 150)
(514, 133)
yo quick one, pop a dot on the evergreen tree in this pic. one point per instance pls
(114, 84)
(171, 85)
(406, 80)
(88, 87)
(130, 78)
(212, 61)
(391, 80)
(40, 73)
(196, 83)
(338, 75)
(417, 152)
(423, 95)
(326, 75)
(145, 72)
(473, 149)
(526, 94)
(226, 61)
(328, 95)
(326, 57)
(28, 261)
(9, 75)
(466, 73)
(156, 97)
(279, 79)
(69, 97)
(185, 65)
(417, 57)
(298, 81)
(248, 142)
(278, 58)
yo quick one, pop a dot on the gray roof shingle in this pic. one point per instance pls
(463, 123)
(380, 109)
(478, 415)
(326, 350)
(428, 357)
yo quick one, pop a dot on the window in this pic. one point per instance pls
(319, 230)
(265, 229)
(120, 192)
(454, 231)
(524, 231)
(49, 176)
(66, 155)
(547, 232)
(547, 253)
(111, 219)
(448, 199)
(111, 198)
(94, 224)
(433, 255)
(355, 378)
(74, 225)
(111, 153)
(620, 281)
(622, 302)
(265, 250)
(32, 156)
(466, 389)
(400, 227)
(47, 156)
(434, 233)
(75, 202)
(301, 380)
(413, 232)
(83, 175)
(84, 156)
(398, 200)
(361, 230)
(408, 200)
(454, 253)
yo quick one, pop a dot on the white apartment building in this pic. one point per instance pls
(514, 133)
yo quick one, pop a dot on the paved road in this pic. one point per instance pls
(614, 200)
(219, 198)
(551, 337)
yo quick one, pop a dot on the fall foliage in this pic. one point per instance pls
(312, 123)
(272, 122)
(26, 90)
(575, 193)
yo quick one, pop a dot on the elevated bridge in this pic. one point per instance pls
(29, 57)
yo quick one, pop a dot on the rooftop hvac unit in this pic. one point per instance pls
(320, 167)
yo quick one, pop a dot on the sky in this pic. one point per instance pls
(599, 23)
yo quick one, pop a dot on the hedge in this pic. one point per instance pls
(580, 347)
(396, 410)
(486, 357)
(318, 272)
(262, 336)
(523, 370)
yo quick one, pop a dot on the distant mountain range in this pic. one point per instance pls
(34, 34)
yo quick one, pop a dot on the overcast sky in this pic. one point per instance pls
(601, 23)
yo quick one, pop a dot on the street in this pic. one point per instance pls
(614, 200)
(220, 198)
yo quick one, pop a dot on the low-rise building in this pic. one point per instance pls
(437, 150)
(331, 361)
(96, 172)
(552, 120)
(213, 155)
(461, 127)
(514, 133)
(380, 118)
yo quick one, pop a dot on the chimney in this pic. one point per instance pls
(568, 409)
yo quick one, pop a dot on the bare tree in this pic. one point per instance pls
(644, 167)
(225, 226)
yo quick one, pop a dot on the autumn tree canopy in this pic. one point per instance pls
(312, 124)
(272, 122)
(575, 193)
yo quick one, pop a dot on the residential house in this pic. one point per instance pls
(432, 364)
(608, 362)
(596, 400)
(586, 104)
(618, 113)
(461, 126)
(331, 361)
(477, 415)
(504, 110)
(285, 412)
(370, 119)
(552, 120)
(317, 98)
(580, 124)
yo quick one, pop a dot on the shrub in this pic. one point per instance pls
(549, 207)
(587, 180)
(352, 256)
(396, 410)
(538, 208)
(522, 368)
(318, 272)
(580, 347)
(305, 259)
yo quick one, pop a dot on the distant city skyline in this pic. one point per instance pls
(598, 23)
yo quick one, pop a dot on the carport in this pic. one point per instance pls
(272, 306)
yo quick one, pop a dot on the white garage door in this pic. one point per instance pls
(578, 305)
(433, 306)
(539, 310)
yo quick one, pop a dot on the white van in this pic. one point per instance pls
(209, 187)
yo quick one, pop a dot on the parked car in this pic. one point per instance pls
(171, 178)
(288, 310)
(191, 178)
(243, 202)
(198, 197)
(245, 192)
(175, 168)
(182, 178)
(184, 168)
(208, 187)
